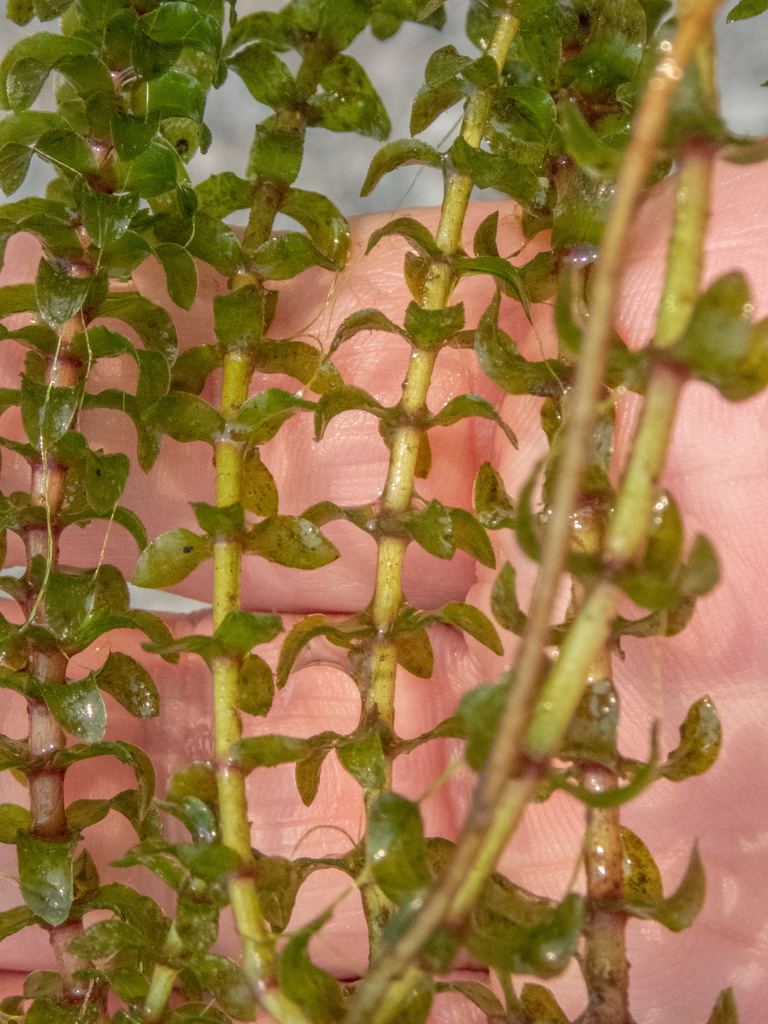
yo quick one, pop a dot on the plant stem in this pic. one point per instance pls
(379, 695)
(604, 963)
(509, 779)
(258, 944)
(48, 819)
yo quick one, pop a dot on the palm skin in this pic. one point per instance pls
(716, 471)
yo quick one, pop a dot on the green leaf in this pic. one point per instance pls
(226, 982)
(363, 320)
(363, 758)
(180, 273)
(129, 683)
(67, 151)
(641, 876)
(719, 345)
(591, 733)
(136, 759)
(257, 686)
(267, 751)
(217, 244)
(478, 994)
(185, 417)
(259, 491)
(327, 227)
(58, 295)
(342, 399)
(541, 1006)
(104, 938)
(463, 406)
(276, 151)
(197, 924)
(341, 634)
(432, 529)
(725, 1011)
(260, 418)
(14, 164)
(26, 66)
(479, 713)
(419, 236)
(414, 652)
(170, 558)
(472, 621)
(105, 215)
(152, 323)
(510, 277)
(429, 103)
(678, 911)
(132, 134)
(105, 479)
(288, 255)
(78, 707)
(403, 153)
(582, 142)
(223, 193)
(45, 876)
(81, 814)
(500, 360)
(543, 950)
(469, 535)
(493, 506)
(429, 329)
(219, 522)
(308, 771)
(491, 170)
(12, 921)
(701, 572)
(290, 541)
(504, 606)
(176, 21)
(240, 318)
(21, 12)
(317, 993)
(395, 845)
(47, 412)
(297, 359)
(701, 737)
(196, 779)
(266, 77)
(193, 367)
(83, 604)
(240, 631)
(747, 9)
(12, 818)
(349, 103)
(484, 243)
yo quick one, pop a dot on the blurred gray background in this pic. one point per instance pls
(396, 69)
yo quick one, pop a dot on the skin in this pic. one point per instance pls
(716, 472)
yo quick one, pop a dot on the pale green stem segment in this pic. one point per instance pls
(499, 800)
(258, 943)
(163, 980)
(398, 490)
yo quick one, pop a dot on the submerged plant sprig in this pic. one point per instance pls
(547, 109)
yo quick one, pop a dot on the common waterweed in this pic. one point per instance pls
(572, 111)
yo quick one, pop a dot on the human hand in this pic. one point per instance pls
(714, 471)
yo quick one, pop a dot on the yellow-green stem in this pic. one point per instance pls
(627, 530)
(499, 800)
(398, 489)
(258, 943)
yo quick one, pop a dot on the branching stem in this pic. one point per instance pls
(398, 490)
(509, 780)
